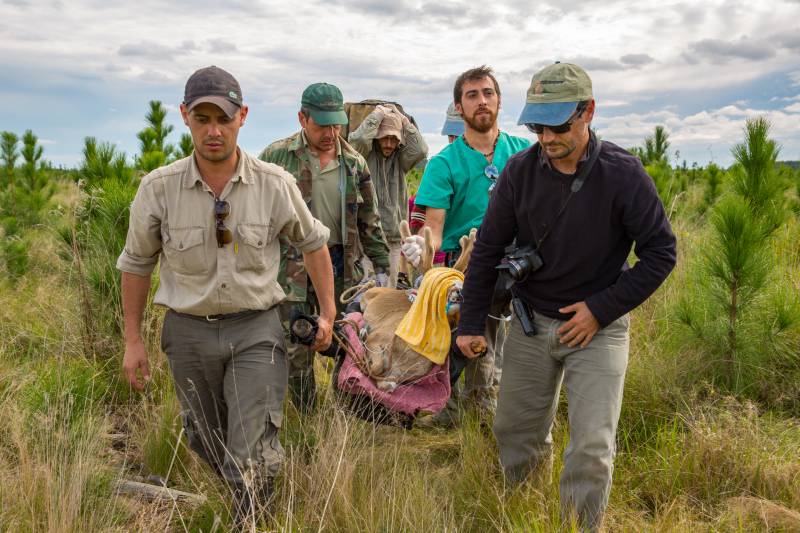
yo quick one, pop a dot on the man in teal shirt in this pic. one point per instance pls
(455, 190)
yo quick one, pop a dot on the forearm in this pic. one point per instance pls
(134, 298)
(320, 270)
(434, 219)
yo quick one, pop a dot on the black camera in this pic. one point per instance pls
(520, 262)
(516, 266)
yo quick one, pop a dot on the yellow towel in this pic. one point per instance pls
(425, 326)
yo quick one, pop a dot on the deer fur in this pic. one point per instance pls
(391, 361)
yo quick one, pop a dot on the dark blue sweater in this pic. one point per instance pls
(585, 254)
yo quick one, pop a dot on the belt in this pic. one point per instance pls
(215, 318)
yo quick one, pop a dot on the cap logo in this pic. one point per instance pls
(233, 95)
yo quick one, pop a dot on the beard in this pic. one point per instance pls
(482, 120)
(559, 149)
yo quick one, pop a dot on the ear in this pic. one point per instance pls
(459, 108)
(588, 115)
(184, 114)
(243, 114)
(302, 119)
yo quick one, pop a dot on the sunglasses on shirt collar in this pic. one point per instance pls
(221, 211)
(538, 129)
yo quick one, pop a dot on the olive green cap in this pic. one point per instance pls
(554, 94)
(325, 104)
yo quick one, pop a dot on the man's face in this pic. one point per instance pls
(388, 145)
(561, 145)
(479, 105)
(214, 133)
(320, 138)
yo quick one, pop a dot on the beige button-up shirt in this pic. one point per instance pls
(172, 220)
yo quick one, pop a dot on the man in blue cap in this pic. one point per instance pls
(453, 123)
(579, 205)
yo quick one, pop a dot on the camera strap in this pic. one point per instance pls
(577, 183)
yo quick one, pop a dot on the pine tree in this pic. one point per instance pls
(9, 154)
(733, 311)
(155, 151)
(185, 146)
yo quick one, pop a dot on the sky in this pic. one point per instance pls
(82, 68)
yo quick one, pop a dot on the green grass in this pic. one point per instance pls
(71, 428)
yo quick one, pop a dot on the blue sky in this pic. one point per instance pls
(89, 67)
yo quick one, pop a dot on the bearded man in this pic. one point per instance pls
(455, 191)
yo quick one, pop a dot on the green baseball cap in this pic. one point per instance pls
(554, 94)
(325, 104)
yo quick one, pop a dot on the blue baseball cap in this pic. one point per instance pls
(453, 122)
(554, 94)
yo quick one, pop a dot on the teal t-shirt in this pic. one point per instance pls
(454, 180)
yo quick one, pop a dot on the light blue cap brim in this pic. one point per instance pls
(549, 114)
(453, 127)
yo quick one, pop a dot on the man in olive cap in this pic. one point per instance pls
(392, 146)
(581, 204)
(211, 221)
(335, 183)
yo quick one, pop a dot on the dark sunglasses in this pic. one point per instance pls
(221, 211)
(538, 129)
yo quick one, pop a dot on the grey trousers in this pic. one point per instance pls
(230, 376)
(594, 376)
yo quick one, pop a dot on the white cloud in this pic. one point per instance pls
(641, 55)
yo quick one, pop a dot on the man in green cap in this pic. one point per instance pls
(579, 205)
(335, 183)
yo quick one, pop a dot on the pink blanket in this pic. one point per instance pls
(428, 393)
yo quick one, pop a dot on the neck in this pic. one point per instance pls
(217, 174)
(569, 164)
(482, 142)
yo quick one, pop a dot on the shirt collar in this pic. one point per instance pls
(242, 173)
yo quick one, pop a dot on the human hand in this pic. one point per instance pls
(580, 328)
(412, 248)
(135, 358)
(404, 120)
(383, 109)
(471, 345)
(324, 334)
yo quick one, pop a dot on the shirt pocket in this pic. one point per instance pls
(253, 250)
(185, 250)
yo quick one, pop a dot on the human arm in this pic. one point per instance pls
(645, 223)
(137, 262)
(319, 268)
(498, 230)
(414, 149)
(368, 221)
(361, 138)
(134, 298)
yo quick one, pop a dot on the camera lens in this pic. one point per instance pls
(518, 268)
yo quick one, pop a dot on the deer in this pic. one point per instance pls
(390, 360)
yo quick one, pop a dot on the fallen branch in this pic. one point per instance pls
(154, 492)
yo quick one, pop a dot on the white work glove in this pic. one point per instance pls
(382, 279)
(412, 249)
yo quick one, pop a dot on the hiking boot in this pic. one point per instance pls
(252, 505)
(447, 418)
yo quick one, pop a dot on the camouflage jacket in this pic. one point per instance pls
(363, 232)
